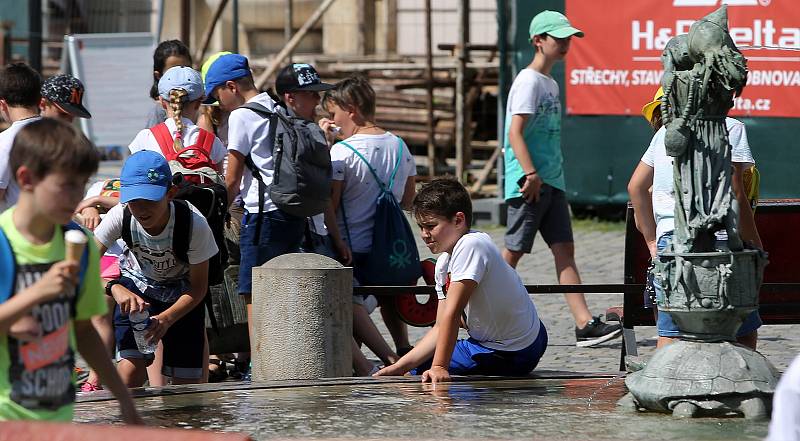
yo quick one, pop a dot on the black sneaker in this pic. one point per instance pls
(596, 332)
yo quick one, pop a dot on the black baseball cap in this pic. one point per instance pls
(300, 76)
(66, 92)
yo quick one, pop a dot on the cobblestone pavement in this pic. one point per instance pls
(599, 256)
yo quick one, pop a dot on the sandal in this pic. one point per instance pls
(89, 387)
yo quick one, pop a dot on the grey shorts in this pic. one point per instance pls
(549, 216)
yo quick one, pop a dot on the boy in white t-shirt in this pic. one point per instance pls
(534, 179)
(267, 231)
(20, 93)
(478, 291)
(164, 270)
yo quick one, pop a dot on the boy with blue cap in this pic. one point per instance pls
(534, 181)
(164, 270)
(267, 231)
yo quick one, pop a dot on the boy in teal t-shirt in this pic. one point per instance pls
(534, 180)
(45, 310)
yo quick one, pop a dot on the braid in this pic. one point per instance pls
(176, 104)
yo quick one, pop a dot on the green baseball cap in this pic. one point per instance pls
(554, 24)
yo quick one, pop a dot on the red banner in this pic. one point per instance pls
(616, 68)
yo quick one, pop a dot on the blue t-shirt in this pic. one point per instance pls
(536, 95)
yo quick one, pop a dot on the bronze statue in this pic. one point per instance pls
(707, 291)
(704, 71)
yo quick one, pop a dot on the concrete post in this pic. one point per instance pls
(302, 317)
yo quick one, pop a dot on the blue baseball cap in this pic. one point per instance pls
(227, 67)
(181, 77)
(145, 175)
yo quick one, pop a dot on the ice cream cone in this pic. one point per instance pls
(75, 242)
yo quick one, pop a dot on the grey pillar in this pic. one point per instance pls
(302, 318)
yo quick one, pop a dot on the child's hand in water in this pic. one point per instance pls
(391, 370)
(436, 374)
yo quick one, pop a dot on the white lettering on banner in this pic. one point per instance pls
(641, 77)
(715, 2)
(774, 78)
(599, 77)
(757, 104)
(645, 35)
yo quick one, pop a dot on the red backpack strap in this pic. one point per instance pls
(205, 141)
(164, 139)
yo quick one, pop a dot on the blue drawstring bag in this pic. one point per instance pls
(394, 258)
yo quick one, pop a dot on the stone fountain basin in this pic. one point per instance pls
(546, 405)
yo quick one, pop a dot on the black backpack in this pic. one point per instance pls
(301, 181)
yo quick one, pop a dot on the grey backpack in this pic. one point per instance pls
(301, 183)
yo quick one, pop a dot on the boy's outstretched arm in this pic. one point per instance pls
(457, 297)
(198, 278)
(423, 350)
(94, 352)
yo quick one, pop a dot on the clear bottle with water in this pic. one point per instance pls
(139, 322)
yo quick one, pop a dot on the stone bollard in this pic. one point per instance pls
(302, 318)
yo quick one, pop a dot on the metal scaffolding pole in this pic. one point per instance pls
(186, 21)
(287, 25)
(35, 34)
(235, 25)
(462, 117)
(429, 90)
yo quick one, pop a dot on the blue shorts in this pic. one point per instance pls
(281, 233)
(472, 358)
(183, 342)
(667, 327)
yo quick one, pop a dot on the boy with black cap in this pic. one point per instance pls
(299, 86)
(62, 97)
(267, 231)
(534, 181)
(19, 104)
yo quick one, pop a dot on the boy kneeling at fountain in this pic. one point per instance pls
(477, 290)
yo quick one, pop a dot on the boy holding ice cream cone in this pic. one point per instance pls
(49, 286)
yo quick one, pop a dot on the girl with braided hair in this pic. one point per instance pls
(180, 90)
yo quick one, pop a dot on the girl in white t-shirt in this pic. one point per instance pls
(181, 92)
(354, 192)
(478, 291)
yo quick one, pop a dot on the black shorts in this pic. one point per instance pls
(183, 342)
(549, 216)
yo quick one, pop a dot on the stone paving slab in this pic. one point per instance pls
(599, 251)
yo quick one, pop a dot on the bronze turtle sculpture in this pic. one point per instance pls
(691, 379)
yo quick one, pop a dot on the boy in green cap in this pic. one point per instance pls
(534, 182)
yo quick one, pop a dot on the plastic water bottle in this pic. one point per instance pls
(139, 322)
